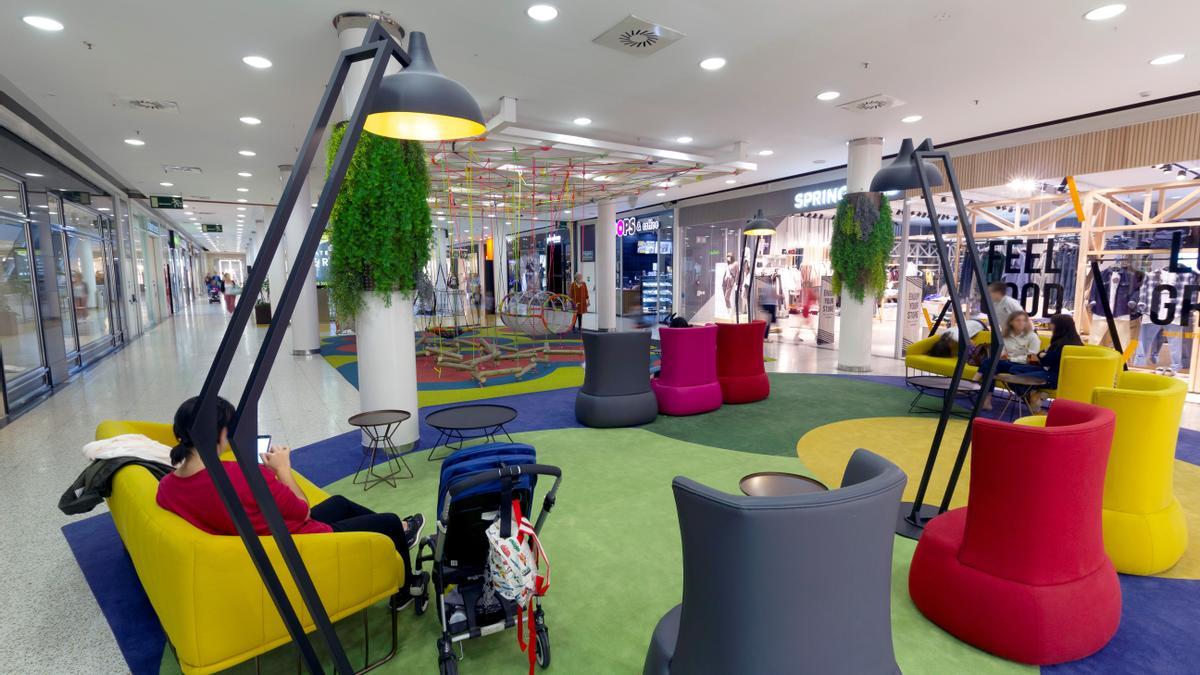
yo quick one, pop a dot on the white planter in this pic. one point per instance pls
(854, 333)
(387, 361)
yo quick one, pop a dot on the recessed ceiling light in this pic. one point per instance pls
(828, 95)
(1166, 59)
(164, 184)
(243, 189)
(257, 62)
(583, 121)
(713, 63)
(247, 153)
(730, 181)
(911, 119)
(250, 120)
(43, 23)
(765, 153)
(566, 210)
(660, 194)
(34, 175)
(102, 208)
(242, 201)
(245, 174)
(9, 197)
(241, 208)
(542, 12)
(1105, 12)
(187, 213)
(441, 217)
(441, 213)
(684, 139)
(314, 205)
(134, 141)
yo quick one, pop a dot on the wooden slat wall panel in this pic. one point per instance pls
(1175, 139)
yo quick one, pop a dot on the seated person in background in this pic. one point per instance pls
(1021, 346)
(1003, 303)
(948, 337)
(189, 492)
(1049, 361)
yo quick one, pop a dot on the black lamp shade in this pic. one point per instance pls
(758, 226)
(901, 174)
(421, 104)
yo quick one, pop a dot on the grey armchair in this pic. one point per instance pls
(616, 380)
(785, 584)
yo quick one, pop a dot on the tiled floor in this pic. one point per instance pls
(51, 622)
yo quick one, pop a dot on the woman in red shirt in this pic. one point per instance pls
(189, 492)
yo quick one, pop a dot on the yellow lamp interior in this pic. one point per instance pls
(758, 232)
(422, 126)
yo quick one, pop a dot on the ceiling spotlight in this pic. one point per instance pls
(1182, 175)
(730, 181)
(250, 120)
(135, 141)
(43, 23)
(441, 218)
(257, 62)
(566, 210)
(242, 201)
(243, 189)
(245, 174)
(660, 194)
(828, 95)
(1105, 12)
(911, 119)
(765, 153)
(684, 139)
(583, 121)
(508, 222)
(247, 153)
(167, 184)
(713, 63)
(1166, 59)
(542, 12)
(187, 213)
(34, 175)
(1166, 168)
(241, 208)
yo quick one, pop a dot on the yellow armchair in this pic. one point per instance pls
(917, 357)
(1083, 368)
(204, 588)
(1144, 527)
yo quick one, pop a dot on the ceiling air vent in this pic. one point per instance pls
(872, 103)
(171, 168)
(147, 104)
(638, 37)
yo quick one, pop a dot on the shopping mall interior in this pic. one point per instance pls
(753, 338)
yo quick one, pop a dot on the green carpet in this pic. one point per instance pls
(614, 543)
(797, 405)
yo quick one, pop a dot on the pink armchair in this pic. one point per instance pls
(687, 383)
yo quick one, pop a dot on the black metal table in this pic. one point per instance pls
(779, 484)
(927, 385)
(379, 425)
(486, 418)
(1029, 383)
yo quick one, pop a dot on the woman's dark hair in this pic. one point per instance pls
(185, 416)
(1064, 333)
(679, 322)
(943, 347)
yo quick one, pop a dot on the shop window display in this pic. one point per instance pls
(540, 261)
(20, 342)
(646, 252)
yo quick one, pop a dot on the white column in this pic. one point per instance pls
(306, 334)
(500, 264)
(481, 254)
(387, 359)
(606, 265)
(854, 338)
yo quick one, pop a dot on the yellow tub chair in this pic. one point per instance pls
(1144, 527)
(204, 588)
(1083, 368)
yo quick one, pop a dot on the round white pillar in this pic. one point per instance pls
(306, 334)
(387, 359)
(854, 336)
(606, 265)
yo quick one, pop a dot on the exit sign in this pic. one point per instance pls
(166, 202)
(211, 227)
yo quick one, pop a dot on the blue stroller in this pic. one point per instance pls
(478, 484)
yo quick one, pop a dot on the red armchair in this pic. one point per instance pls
(740, 362)
(687, 382)
(1021, 570)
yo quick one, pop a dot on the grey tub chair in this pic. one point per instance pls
(785, 584)
(616, 380)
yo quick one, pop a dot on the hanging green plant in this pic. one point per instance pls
(862, 244)
(380, 225)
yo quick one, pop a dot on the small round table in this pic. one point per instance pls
(928, 385)
(486, 418)
(1030, 383)
(779, 484)
(379, 425)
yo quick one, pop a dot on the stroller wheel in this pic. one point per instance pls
(447, 665)
(421, 602)
(543, 647)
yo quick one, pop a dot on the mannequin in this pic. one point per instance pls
(1150, 332)
(1123, 284)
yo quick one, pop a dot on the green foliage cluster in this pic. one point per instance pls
(380, 224)
(860, 263)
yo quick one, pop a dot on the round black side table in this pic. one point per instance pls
(379, 425)
(486, 418)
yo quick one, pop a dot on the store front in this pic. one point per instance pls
(645, 266)
(150, 267)
(540, 260)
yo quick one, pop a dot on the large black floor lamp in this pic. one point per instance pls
(908, 171)
(416, 103)
(756, 227)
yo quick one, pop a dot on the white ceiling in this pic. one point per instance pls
(968, 68)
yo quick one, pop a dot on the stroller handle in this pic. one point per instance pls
(493, 474)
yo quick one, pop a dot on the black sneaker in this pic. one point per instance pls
(400, 601)
(413, 526)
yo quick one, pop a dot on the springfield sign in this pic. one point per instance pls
(817, 199)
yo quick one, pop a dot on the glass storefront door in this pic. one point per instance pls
(20, 331)
(644, 267)
(89, 265)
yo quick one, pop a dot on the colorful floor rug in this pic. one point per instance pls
(616, 487)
